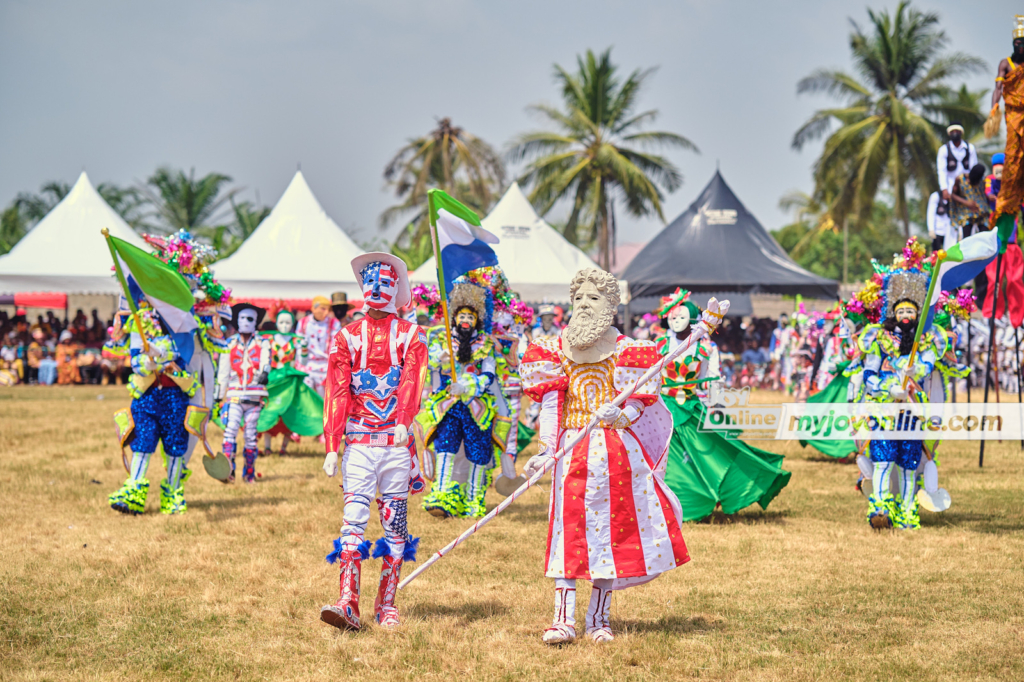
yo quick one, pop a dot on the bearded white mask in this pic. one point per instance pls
(247, 321)
(679, 319)
(284, 323)
(592, 315)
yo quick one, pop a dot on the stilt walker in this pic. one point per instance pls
(373, 388)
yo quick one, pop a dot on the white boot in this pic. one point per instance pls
(598, 626)
(563, 629)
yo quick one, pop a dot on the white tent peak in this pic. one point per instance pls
(65, 251)
(297, 251)
(538, 262)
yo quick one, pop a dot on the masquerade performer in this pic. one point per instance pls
(886, 348)
(780, 349)
(610, 487)
(373, 392)
(293, 409)
(705, 469)
(242, 385)
(839, 358)
(1010, 88)
(954, 158)
(160, 391)
(317, 330)
(468, 412)
(195, 359)
(994, 180)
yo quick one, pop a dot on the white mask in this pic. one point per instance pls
(247, 321)
(284, 323)
(679, 319)
(380, 286)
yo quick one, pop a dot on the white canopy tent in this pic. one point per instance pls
(538, 262)
(65, 251)
(296, 252)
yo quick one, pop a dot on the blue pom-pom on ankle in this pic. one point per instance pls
(364, 549)
(381, 548)
(411, 544)
(332, 558)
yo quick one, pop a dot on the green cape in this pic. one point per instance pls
(705, 469)
(835, 392)
(292, 401)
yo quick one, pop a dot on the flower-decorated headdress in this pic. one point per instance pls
(953, 306)
(192, 260)
(466, 294)
(905, 280)
(679, 297)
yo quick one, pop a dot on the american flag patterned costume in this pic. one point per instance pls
(611, 516)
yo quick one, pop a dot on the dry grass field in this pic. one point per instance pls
(232, 589)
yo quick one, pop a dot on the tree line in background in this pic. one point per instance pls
(871, 180)
(168, 201)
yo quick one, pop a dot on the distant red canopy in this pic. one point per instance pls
(36, 299)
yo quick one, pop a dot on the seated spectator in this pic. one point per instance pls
(47, 372)
(67, 362)
(754, 355)
(90, 364)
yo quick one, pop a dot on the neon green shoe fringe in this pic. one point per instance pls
(451, 502)
(131, 498)
(172, 501)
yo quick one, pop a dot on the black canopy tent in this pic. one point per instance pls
(718, 245)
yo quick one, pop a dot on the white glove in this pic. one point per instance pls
(401, 435)
(713, 314)
(456, 389)
(607, 413)
(148, 363)
(331, 464)
(444, 358)
(536, 463)
(897, 392)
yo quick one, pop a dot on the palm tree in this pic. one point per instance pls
(884, 134)
(12, 228)
(181, 202)
(449, 158)
(227, 238)
(127, 202)
(596, 154)
(34, 207)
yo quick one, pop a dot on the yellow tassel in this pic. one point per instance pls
(993, 122)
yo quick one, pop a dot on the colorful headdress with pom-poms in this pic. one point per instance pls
(503, 309)
(192, 260)
(906, 279)
(679, 297)
(427, 299)
(953, 306)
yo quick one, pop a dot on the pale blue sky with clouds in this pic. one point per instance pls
(253, 88)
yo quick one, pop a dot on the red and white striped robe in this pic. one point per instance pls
(611, 514)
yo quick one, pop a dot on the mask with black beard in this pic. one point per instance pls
(465, 338)
(907, 331)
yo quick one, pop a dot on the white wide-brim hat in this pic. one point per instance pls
(404, 296)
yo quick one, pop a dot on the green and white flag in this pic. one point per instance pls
(161, 284)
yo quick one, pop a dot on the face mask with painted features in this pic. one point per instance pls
(284, 323)
(465, 320)
(905, 313)
(679, 319)
(247, 321)
(380, 286)
(320, 312)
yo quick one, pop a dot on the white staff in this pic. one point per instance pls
(715, 310)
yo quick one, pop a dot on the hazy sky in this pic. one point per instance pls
(253, 88)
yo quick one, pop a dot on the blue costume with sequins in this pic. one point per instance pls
(160, 391)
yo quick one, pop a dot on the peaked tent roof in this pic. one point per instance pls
(718, 245)
(296, 252)
(65, 251)
(536, 259)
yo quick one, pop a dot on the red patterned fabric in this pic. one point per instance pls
(373, 379)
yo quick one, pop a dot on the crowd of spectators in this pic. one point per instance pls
(743, 347)
(51, 350)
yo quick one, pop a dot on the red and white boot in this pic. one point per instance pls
(344, 614)
(599, 627)
(384, 605)
(563, 629)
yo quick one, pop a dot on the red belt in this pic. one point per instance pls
(165, 381)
